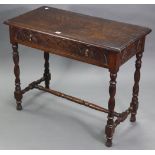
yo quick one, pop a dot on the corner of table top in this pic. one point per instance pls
(148, 30)
(6, 22)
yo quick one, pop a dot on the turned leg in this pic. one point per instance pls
(17, 92)
(109, 130)
(47, 74)
(134, 102)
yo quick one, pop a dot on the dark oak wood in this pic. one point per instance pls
(89, 39)
(75, 99)
(109, 130)
(105, 33)
(101, 42)
(32, 85)
(122, 117)
(60, 46)
(134, 102)
(17, 92)
(47, 74)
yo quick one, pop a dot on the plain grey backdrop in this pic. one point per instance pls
(49, 122)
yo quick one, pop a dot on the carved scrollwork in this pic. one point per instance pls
(65, 46)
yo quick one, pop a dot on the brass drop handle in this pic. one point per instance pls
(30, 37)
(86, 52)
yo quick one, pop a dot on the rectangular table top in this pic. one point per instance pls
(95, 31)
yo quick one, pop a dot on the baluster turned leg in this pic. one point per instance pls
(109, 130)
(17, 93)
(134, 102)
(47, 74)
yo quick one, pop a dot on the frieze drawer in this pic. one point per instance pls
(61, 46)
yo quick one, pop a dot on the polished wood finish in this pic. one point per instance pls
(75, 99)
(122, 117)
(101, 42)
(32, 85)
(105, 33)
(89, 39)
(134, 102)
(47, 74)
(17, 93)
(109, 130)
(60, 46)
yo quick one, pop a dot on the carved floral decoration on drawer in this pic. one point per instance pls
(58, 43)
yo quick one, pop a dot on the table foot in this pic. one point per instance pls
(19, 106)
(108, 143)
(133, 118)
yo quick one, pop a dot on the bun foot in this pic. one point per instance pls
(19, 107)
(133, 119)
(108, 143)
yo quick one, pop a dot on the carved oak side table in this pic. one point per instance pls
(105, 43)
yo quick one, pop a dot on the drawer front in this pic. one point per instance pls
(61, 46)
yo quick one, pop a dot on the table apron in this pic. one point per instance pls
(61, 46)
